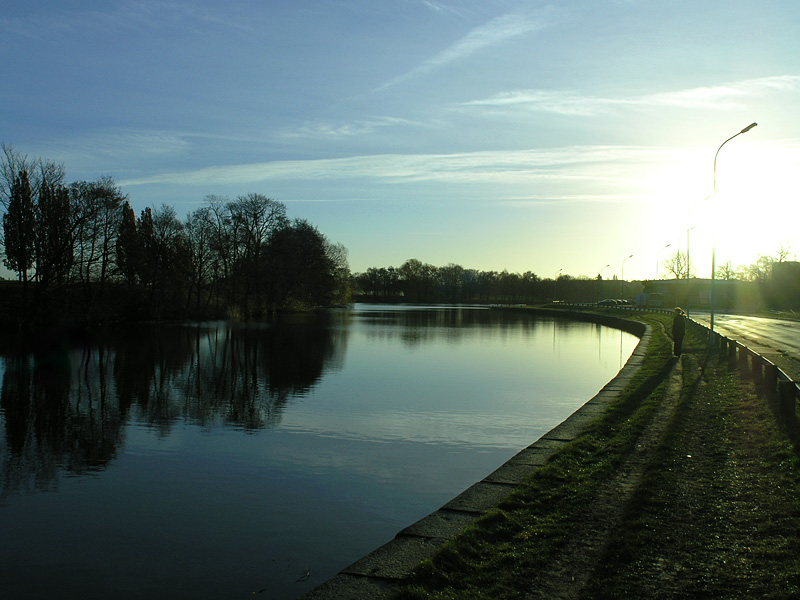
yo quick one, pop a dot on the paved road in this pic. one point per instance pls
(774, 338)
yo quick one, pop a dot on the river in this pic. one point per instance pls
(218, 460)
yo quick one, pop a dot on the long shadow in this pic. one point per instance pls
(787, 422)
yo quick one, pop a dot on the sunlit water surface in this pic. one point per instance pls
(219, 460)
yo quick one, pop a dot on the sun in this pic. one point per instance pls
(757, 205)
(755, 211)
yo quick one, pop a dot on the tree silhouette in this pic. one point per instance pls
(19, 224)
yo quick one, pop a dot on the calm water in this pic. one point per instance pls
(219, 460)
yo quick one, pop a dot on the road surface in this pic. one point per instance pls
(776, 339)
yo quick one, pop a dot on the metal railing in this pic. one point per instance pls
(776, 384)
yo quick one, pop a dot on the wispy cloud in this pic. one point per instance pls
(535, 201)
(127, 15)
(496, 31)
(722, 97)
(563, 164)
(344, 129)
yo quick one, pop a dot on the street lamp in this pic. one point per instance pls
(688, 262)
(657, 257)
(555, 284)
(688, 270)
(600, 280)
(622, 276)
(713, 240)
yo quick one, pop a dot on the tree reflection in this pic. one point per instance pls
(418, 326)
(65, 408)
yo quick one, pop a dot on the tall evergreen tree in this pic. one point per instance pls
(149, 249)
(129, 249)
(19, 226)
(54, 236)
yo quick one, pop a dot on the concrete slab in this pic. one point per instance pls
(570, 429)
(591, 410)
(534, 456)
(480, 497)
(512, 473)
(444, 524)
(603, 399)
(547, 444)
(352, 587)
(394, 560)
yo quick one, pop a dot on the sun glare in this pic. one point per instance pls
(755, 212)
(756, 205)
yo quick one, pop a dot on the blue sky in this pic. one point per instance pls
(493, 134)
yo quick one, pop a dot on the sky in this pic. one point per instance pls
(574, 137)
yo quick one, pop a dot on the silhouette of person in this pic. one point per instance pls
(678, 330)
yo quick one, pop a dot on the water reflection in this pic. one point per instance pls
(236, 451)
(67, 396)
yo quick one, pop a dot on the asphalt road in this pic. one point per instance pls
(776, 339)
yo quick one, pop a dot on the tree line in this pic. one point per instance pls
(415, 281)
(773, 282)
(678, 265)
(80, 251)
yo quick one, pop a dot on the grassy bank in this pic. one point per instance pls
(686, 487)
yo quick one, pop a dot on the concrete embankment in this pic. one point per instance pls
(376, 576)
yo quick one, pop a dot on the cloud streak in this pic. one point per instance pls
(571, 163)
(723, 97)
(496, 31)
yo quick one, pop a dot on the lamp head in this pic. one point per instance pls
(748, 128)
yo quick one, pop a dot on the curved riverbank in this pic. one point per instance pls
(378, 574)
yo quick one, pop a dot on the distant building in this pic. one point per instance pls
(783, 286)
(696, 293)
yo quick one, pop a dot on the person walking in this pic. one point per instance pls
(678, 330)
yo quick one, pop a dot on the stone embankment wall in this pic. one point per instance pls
(376, 575)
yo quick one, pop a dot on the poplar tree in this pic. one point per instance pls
(19, 227)
(54, 236)
(129, 249)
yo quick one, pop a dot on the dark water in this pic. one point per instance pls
(218, 460)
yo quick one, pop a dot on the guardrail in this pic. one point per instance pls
(775, 382)
(772, 380)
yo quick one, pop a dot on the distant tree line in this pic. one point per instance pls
(768, 283)
(679, 266)
(415, 281)
(772, 281)
(79, 250)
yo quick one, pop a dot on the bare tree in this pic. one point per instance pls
(783, 252)
(726, 272)
(12, 163)
(760, 270)
(678, 265)
(54, 235)
(97, 210)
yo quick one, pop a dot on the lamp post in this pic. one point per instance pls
(622, 276)
(713, 240)
(555, 285)
(657, 257)
(688, 262)
(688, 270)
(600, 280)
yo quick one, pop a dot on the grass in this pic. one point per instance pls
(717, 513)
